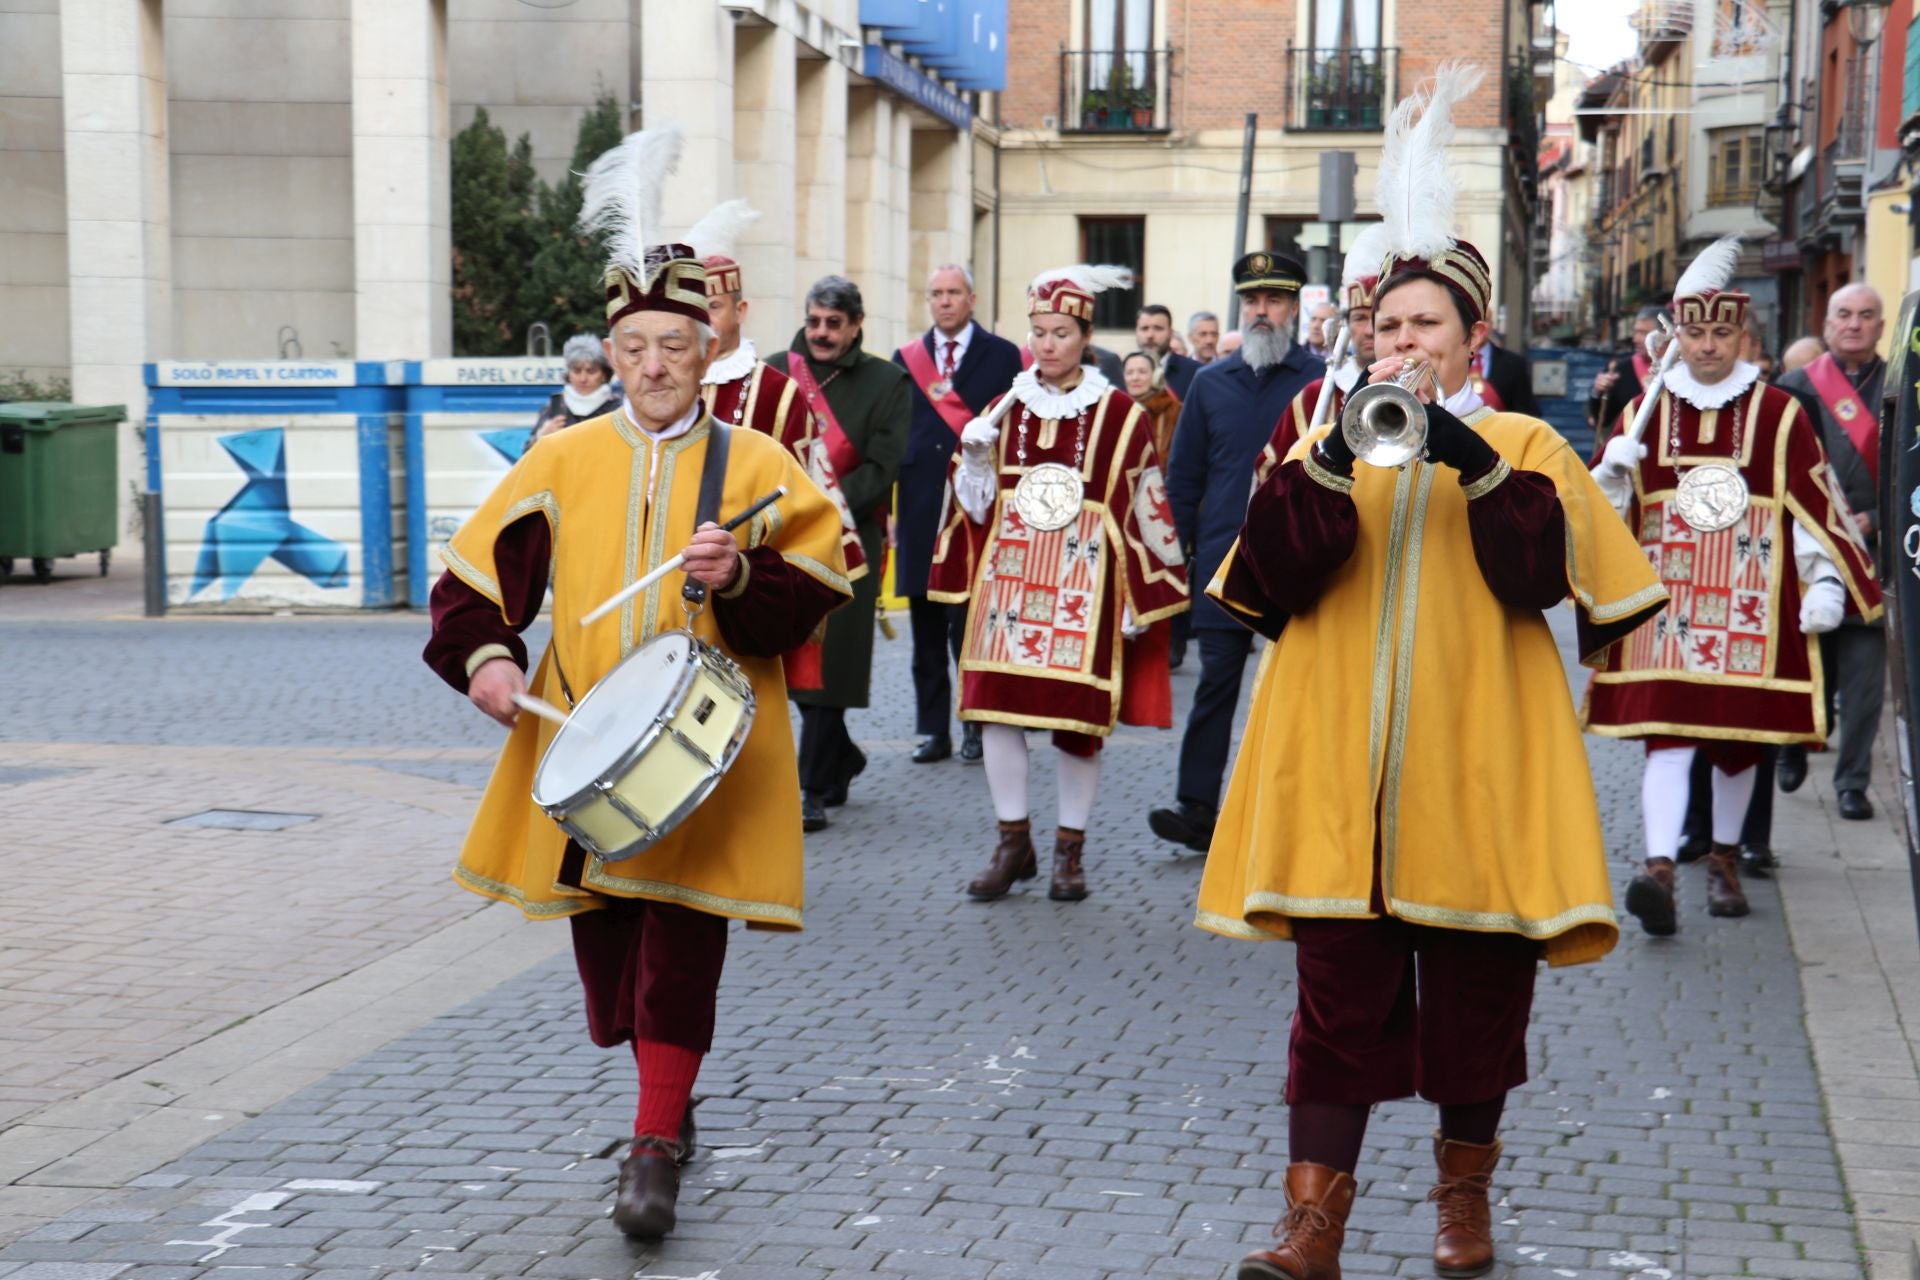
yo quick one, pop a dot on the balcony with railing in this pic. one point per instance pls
(1340, 89)
(1116, 90)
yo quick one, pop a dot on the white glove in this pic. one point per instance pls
(1823, 606)
(978, 438)
(1127, 627)
(1621, 456)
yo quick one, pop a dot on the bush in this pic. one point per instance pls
(18, 385)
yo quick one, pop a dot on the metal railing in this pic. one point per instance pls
(1340, 89)
(1116, 90)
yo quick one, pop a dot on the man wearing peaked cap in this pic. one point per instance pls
(1228, 416)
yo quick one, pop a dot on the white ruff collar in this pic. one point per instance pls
(1048, 403)
(1681, 382)
(734, 365)
(1464, 401)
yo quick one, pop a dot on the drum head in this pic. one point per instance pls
(613, 717)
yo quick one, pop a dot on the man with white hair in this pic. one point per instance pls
(957, 369)
(1203, 336)
(1845, 385)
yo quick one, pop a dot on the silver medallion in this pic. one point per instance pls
(1049, 497)
(940, 390)
(1711, 497)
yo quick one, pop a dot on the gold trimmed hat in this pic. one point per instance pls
(620, 197)
(1416, 191)
(1702, 295)
(1069, 291)
(1263, 270)
(723, 274)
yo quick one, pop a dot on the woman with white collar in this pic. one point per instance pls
(1058, 538)
(1726, 489)
(588, 392)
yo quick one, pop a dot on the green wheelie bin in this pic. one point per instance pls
(59, 466)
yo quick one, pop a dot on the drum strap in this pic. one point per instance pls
(713, 478)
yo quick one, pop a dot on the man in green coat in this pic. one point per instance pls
(863, 407)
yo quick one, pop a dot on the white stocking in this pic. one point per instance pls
(1004, 752)
(1079, 779)
(1731, 795)
(1663, 799)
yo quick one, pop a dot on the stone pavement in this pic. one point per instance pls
(918, 1085)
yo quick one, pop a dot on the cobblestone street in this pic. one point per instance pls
(918, 1085)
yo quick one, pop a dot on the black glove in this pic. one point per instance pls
(1334, 453)
(1456, 444)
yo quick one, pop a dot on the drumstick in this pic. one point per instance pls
(633, 589)
(539, 707)
(1338, 353)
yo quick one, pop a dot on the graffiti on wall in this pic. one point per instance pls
(257, 524)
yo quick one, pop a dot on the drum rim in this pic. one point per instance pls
(625, 759)
(684, 810)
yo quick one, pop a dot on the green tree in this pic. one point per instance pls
(494, 237)
(563, 280)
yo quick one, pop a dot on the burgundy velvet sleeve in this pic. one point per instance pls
(1298, 533)
(464, 620)
(777, 611)
(1520, 540)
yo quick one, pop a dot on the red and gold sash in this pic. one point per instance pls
(1848, 409)
(938, 391)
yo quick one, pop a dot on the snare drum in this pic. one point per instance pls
(645, 746)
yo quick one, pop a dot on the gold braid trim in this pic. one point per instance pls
(1326, 478)
(1487, 483)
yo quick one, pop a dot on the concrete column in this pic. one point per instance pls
(905, 305)
(113, 74)
(402, 241)
(869, 220)
(686, 74)
(941, 203)
(763, 154)
(821, 171)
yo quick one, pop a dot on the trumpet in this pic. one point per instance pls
(1384, 423)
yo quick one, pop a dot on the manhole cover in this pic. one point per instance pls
(243, 819)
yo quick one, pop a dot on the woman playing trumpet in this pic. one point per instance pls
(1423, 855)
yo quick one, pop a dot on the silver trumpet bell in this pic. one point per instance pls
(1384, 423)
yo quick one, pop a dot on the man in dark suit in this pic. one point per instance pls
(1153, 332)
(1509, 375)
(1227, 419)
(957, 369)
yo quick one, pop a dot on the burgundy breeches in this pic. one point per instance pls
(651, 971)
(1388, 1009)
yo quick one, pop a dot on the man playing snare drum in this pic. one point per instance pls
(593, 509)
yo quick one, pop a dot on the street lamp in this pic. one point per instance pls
(1866, 19)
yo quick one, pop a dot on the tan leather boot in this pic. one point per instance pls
(1463, 1241)
(1318, 1202)
(1724, 895)
(1012, 860)
(1069, 880)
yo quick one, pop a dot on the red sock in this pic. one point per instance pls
(667, 1072)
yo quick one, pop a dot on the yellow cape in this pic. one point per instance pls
(1410, 707)
(616, 510)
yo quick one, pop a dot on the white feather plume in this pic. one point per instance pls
(720, 230)
(1415, 189)
(620, 193)
(1368, 251)
(1094, 279)
(1713, 269)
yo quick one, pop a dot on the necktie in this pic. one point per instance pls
(953, 347)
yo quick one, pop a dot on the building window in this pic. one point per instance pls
(1121, 242)
(1120, 36)
(1734, 160)
(1346, 24)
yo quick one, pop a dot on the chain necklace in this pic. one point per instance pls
(1710, 496)
(1079, 438)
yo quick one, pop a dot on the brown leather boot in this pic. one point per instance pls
(1463, 1242)
(1069, 881)
(1318, 1202)
(1724, 895)
(643, 1206)
(1012, 860)
(1650, 898)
